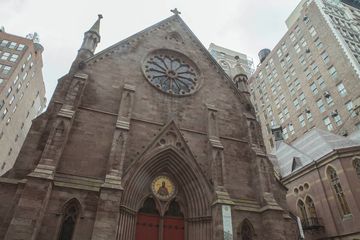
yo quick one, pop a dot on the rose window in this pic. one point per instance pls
(171, 72)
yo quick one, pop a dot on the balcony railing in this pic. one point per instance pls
(311, 223)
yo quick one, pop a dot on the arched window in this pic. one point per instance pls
(71, 214)
(247, 231)
(338, 191)
(302, 210)
(356, 164)
(310, 207)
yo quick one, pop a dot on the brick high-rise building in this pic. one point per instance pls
(311, 77)
(147, 139)
(22, 93)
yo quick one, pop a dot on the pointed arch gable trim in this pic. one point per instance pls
(185, 172)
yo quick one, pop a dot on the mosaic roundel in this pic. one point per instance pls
(163, 188)
(171, 72)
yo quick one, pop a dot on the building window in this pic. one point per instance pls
(297, 48)
(356, 164)
(10, 151)
(282, 98)
(291, 129)
(286, 113)
(315, 68)
(4, 113)
(302, 98)
(29, 57)
(70, 218)
(247, 231)
(350, 107)
(320, 105)
(297, 84)
(318, 43)
(303, 42)
(308, 73)
(301, 120)
(13, 58)
(341, 89)
(2, 103)
(9, 91)
(302, 60)
(329, 100)
(281, 117)
(312, 31)
(311, 210)
(309, 116)
(1, 80)
(296, 104)
(302, 210)
(321, 83)
(337, 119)
(325, 57)
(291, 88)
(328, 124)
(279, 53)
(314, 88)
(285, 133)
(12, 45)
(332, 72)
(337, 188)
(12, 99)
(4, 43)
(5, 56)
(6, 70)
(292, 37)
(20, 47)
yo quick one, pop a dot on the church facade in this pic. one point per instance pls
(147, 139)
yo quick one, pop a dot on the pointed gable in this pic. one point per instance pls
(176, 35)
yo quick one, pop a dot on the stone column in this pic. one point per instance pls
(29, 212)
(108, 218)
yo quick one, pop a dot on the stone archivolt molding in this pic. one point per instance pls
(170, 155)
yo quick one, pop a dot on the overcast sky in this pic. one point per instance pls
(241, 25)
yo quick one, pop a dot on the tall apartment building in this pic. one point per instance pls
(229, 59)
(311, 77)
(22, 93)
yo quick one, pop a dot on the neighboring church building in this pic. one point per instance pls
(322, 173)
(148, 138)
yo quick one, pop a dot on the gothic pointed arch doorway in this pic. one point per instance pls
(151, 225)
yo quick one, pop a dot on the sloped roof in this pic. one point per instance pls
(310, 147)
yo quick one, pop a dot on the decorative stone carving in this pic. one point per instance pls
(171, 72)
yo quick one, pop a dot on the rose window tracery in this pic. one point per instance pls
(171, 72)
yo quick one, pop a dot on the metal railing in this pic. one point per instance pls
(310, 223)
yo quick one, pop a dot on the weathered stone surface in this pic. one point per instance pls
(106, 170)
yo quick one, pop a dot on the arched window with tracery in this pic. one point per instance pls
(338, 191)
(302, 210)
(356, 164)
(310, 207)
(70, 217)
(246, 231)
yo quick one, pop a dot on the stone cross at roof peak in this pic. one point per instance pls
(175, 11)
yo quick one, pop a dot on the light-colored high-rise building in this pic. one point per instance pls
(229, 59)
(311, 77)
(22, 92)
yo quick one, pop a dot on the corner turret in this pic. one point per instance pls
(90, 42)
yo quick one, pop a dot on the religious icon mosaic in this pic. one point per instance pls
(163, 188)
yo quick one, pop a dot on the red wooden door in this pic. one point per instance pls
(147, 227)
(173, 228)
